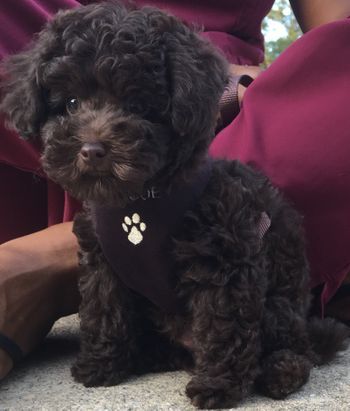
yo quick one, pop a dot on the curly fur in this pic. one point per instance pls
(148, 89)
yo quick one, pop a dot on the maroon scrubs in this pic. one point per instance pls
(294, 125)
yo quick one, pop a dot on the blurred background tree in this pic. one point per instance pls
(280, 29)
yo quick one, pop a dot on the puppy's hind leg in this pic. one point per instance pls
(287, 356)
(283, 372)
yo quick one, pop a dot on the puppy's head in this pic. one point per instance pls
(120, 98)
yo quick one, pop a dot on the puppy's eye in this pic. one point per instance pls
(72, 105)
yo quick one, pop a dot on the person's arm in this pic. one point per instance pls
(38, 285)
(313, 13)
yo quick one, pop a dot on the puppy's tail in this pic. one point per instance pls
(327, 337)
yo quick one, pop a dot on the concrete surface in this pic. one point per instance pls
(43, 382)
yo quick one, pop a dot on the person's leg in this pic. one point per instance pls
(38, 285)
(294, 127)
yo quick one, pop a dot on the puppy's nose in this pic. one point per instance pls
(92, 152)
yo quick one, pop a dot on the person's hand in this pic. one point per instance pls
(38, 285)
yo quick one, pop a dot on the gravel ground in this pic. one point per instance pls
(43, 382)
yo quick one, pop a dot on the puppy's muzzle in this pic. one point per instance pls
(93, 157)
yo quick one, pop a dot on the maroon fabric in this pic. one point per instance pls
(18, 188)
(294, 123)
(18, 22)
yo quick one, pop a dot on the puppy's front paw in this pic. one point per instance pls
(213, 393)
(93, 374)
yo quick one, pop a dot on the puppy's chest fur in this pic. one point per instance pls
(162, 244)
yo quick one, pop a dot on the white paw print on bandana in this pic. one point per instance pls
(134, 227)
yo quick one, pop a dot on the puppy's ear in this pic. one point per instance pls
(23, 98)
(198, 76)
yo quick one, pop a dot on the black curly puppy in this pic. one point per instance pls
(189, 263)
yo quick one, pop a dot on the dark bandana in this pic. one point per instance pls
(136, 240)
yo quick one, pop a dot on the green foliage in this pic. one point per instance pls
(281, 13)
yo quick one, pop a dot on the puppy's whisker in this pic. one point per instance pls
(120, 171)
(99, 184)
